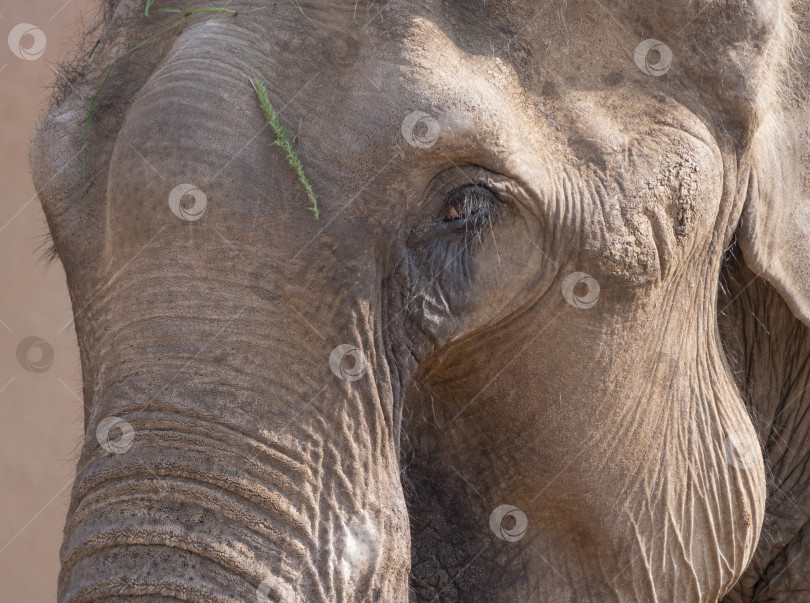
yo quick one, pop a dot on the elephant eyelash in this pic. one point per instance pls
(468, 208)
(466, 215)
(465, 221)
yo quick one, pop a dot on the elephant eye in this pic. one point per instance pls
(469, 203)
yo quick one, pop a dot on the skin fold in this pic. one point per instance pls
(577, 283)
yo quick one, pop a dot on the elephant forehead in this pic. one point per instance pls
(623, 142)
(634, 168)
(726, 52)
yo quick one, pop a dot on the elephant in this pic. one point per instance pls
(510, 303)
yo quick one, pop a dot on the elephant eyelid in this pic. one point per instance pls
(466, 201)
(468, 208)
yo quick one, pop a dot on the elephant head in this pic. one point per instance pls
(546, 339)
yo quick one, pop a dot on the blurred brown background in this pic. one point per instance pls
(40, 409)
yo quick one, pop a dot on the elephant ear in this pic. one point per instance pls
(766, 345)
(774, 230)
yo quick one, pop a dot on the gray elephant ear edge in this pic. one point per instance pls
(774, 230)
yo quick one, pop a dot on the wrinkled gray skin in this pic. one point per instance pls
(619, 430)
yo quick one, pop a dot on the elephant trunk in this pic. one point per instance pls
(224, 460)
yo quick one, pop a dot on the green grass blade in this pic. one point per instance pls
(283, 141)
